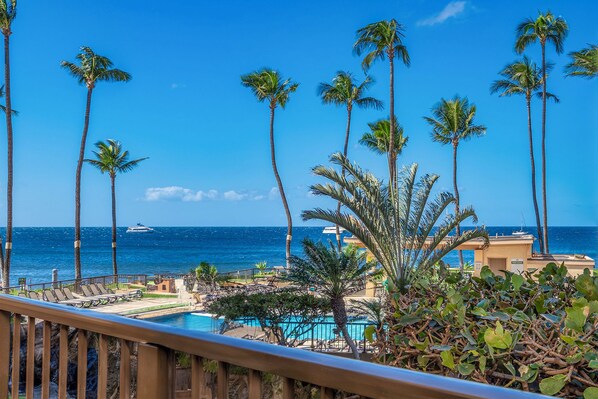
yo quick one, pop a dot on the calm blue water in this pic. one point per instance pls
(177, 249)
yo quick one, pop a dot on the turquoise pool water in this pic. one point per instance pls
(190, 321)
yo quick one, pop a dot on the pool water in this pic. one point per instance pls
(190, 321)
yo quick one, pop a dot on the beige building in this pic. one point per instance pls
(513, 253)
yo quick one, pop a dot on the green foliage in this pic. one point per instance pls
(583, 63)
(261, 266)
(273, 311)
(536, 331)
(207, 274)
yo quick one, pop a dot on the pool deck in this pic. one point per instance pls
(141, 306)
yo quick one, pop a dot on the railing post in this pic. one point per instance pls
(155, 373)
(4, 352)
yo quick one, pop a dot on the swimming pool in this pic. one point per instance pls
(190, 321)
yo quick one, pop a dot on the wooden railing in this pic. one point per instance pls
(154, 345)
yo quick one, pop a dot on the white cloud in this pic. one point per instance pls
(232, 195)
(451, 10)
(177, 86)
(178, 193)
(274, 193)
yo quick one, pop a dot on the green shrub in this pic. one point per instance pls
(533, 332)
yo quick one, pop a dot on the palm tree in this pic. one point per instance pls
(267, 85)
(452, 122)
(345, 91)
(378, 138)
(583, 63)
(207, 274)
(406, 233)
(92, 68)
(334, 274)
(111, 159)
(380, 40)
(545, 29)
(525, 78)
(8, 13)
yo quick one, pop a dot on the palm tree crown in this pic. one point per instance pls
(583, 63)
(378, 138)
(268, 85)
(344, 90)
(452, 121)
(111, 159)
(522, 77)
(8, 12)
(380, 40)
(546, 29)
(94, 68)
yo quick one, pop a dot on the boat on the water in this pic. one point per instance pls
(332, 230)
(140, 229)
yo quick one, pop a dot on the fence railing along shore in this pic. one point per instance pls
(146, 361)
(111, 279)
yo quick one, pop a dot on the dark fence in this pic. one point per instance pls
(111, 280)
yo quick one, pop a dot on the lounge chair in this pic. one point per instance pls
(85, 303)
(35, 295)
(126, 295)
(96, 291)
(90, 295)
(69, 295)
(22, 294)
(50, 297)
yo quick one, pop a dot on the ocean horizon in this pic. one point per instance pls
(38, 250)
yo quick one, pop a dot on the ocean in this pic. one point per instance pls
(37, 250)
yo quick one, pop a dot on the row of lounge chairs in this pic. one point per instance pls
(93, 295)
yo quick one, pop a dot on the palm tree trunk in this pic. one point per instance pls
(391, 142)
(112, 186)
(8, 245)
(345, 152)
(281, 189)
(533, 164)
(544, 204)
(456, 188)
(339, 313)
(78, 188)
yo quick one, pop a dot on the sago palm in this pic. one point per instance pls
(546, 28)
(110, 158)
(91, 69)
(345, 91)
(334, 274)
(452, 122)
(583, 63)
(406, 233)
(267, 85)
(378, 138)
(8, 13)
(525, 78)
(381, 40)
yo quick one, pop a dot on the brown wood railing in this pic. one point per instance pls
(155, 346)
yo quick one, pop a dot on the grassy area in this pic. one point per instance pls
(153, 308)
(146, 295)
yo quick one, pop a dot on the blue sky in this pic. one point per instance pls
(207, 137)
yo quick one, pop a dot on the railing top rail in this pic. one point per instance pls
(367, 379)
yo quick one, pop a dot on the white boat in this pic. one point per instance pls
(332, 230)
(140, 229)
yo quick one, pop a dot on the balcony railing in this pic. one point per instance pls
(153, 346)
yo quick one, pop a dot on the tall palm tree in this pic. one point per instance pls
(110, 158)
(345, 91)
(334, 273)
(399, 230)
(452, 122)
(92, 68)
(546, 28)
(583, 63)
(380, 40)
(525, 78)
(378, 138)
(267, 85)
(8, 13)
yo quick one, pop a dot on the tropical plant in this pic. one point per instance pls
(334, 274)
(546, 28)
(207, 274)
(110, 158)
(380, 40)
(345, 91)
(261, 267)
(452, 122)
(525, 78)
(583, 63)
(92, 68)
(406, 233)
(286, 315)
(267, 85)
(8, 13)
(378, 138)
